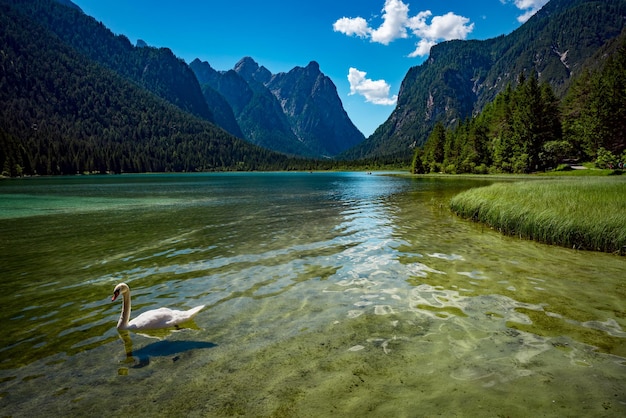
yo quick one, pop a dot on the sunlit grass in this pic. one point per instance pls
(583, 213)
(587, 172)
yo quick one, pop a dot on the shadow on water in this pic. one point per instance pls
(162, 348)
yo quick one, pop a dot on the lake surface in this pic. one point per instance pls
(327, 294)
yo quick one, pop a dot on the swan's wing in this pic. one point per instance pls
(156, 318)
(162, 318)
(193, 311)
(182, 316)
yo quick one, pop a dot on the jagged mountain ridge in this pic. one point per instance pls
(256, 111)
(460, 77)
(298, 112)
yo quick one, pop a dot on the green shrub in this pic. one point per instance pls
(563, 167)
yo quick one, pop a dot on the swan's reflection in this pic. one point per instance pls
(162, 348)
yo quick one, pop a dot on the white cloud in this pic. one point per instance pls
(447, 27)
(395, 17)
(423, 48)
(523, 18)
(374, 91)
(530, 6)
(357, 26)
(396, 22)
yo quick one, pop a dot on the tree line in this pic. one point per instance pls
(527, 129)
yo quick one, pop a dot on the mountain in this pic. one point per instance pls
(65, 113)
(156, 69)
(250, 70)
(298, 112)
(256, 110)
(314, 110)
(261, 117)
(460, 77)
(218, 105)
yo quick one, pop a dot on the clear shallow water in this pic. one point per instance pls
(337, 294)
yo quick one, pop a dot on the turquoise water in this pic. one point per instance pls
(338, 294)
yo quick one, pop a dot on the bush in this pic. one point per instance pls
(563, 167)
(520, 164)
(481, 169)
(434, 167)
(605, 159)
(450, 169)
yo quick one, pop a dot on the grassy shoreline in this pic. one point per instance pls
(587, 213)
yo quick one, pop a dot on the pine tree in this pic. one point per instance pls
(434, 148)
(577, 129)
(594, 111)
(499, 118)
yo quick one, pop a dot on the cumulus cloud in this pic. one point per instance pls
(374, 91)
(395, 17)
(530, 6)
(397, 23)
(357, 27)
(446, 27)
(423, 48)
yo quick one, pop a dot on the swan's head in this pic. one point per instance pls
(119, 289)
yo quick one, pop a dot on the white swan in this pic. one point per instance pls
(154, 319)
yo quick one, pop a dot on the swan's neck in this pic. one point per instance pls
(125, 316)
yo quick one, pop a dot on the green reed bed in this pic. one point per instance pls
(582, 213)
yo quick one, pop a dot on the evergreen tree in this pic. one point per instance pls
(498, 117)
(594, 111)
(434, 148)
(610, 102)
(474, 155)
(417, 165)
(579, 127)
(519, 132)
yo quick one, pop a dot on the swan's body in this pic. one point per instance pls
(154, 319)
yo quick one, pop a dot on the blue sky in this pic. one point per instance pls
(365, 46)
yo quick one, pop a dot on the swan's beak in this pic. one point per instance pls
(115, 295)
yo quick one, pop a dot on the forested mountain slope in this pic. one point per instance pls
(156, 69)
(77, 98)
(460, 77)
(63, 113)
(528, 129)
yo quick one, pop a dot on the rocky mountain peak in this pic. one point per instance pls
(313, 66)
(246, 65)
(298, 112)
(250, 70)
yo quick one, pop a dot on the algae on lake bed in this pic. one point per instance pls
(326, 294)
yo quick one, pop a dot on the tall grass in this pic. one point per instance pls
(584, 213)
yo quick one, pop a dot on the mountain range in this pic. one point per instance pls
(77, 98)
(298, 112)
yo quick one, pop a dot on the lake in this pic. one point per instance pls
(326, 294)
